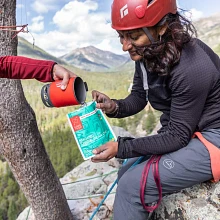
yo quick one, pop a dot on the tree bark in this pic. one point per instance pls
(20, 140)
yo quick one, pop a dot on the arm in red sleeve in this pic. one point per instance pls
(17, 67)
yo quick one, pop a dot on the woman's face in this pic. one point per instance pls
(133, 37)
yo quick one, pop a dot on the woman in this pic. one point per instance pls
(180, 76)
(18, 67)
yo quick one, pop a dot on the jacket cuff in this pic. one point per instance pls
(51, 73)
(116, 112)
(121, 147)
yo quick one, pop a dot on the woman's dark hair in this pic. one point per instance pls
(162, 55)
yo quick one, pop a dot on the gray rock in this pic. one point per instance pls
(103, 213)
(121, 132)
(201, 202)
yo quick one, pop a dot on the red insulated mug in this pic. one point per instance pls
(74, 94)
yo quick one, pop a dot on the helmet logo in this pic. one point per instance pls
(124, 11)
(140, 11)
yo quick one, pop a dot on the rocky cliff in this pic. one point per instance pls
(86, 185)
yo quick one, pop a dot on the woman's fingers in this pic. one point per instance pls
(60, 72)
(65, 80)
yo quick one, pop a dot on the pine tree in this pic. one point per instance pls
(12, 211)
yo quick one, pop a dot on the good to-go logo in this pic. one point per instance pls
(124, 11)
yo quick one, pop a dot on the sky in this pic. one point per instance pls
(60, 26)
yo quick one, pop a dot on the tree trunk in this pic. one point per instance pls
(20, 141)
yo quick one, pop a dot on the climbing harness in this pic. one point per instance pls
(154, 161)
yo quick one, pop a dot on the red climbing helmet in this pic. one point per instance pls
(132, 14)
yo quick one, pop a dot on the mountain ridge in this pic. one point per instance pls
(208, 30)
(92, 59)
(25, 48)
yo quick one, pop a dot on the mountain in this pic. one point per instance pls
(208, 30)
(96, 60)
(127, 66)
(217, 49)
(93, 59)
(27, 49)
(87, 58)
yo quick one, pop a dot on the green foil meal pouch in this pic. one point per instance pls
(90, 129)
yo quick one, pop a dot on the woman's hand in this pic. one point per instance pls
(105, 152)
(103, 102)
(60, 72)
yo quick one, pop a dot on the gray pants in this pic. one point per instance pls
(178, 170)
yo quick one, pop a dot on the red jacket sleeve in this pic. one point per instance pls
(18, 67)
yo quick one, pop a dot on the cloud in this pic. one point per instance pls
(75, 15)
(78, 24)
(112, 45)
(37, 24)
(44, 6)
(178, 4)
(194, 14)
